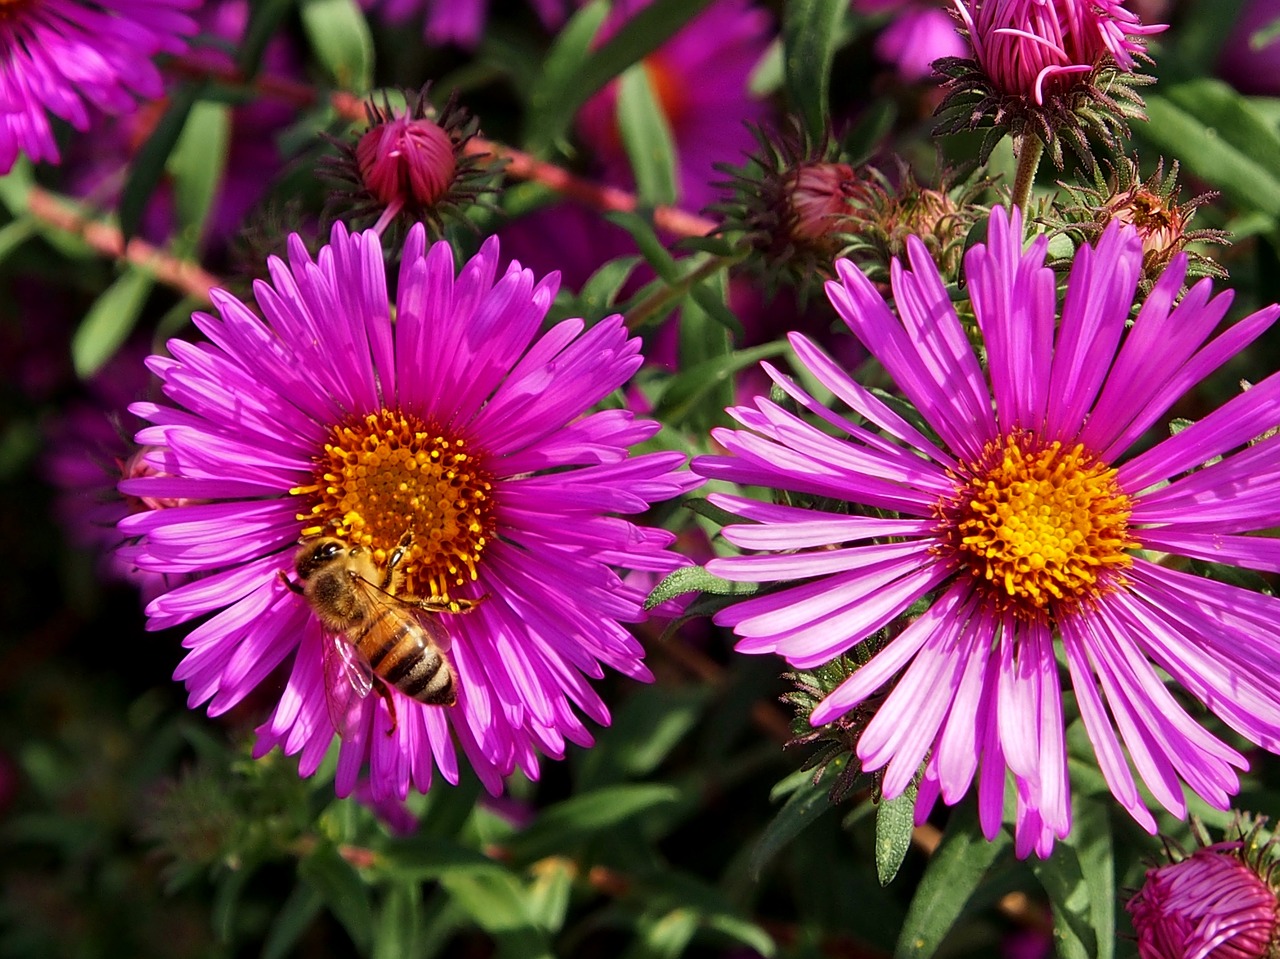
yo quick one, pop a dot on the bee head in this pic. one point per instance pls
(317, 554)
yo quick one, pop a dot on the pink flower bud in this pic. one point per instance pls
(407, 160)
(819, 198)
(1211, 905)
(1034, 48)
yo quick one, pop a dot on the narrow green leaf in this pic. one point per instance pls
(645, 729)
(14, 234)
(573, 820)
(686, 390)
(196, 165)
(149, 162)
(601, 290)
(340, 36)
(548, 896)
(663, 936)
(343, 891)
(954, 872)
(1063, 879)
(424, 858)
(494, 900)
(1217, 136)
(802, 809)
(810, 35)
(895, 820)
(646, 136)
(553, 105)
(109, 322)
(694, 579)
(400, 921)
(297, 913)
(560, 72)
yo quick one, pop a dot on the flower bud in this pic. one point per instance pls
(819, 198)
(407, 161)
(1212, 905)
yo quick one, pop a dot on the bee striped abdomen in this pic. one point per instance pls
(398, 651)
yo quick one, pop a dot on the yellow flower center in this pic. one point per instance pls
(1038, 525)
(390, 473)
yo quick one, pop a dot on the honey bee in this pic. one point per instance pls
(371, 630)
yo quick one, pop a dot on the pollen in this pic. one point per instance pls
(389, 473)
(1038, 526)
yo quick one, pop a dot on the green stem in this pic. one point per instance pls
(658, 301)
(1029, 149)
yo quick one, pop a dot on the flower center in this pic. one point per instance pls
(390, 473)
(1038, 525)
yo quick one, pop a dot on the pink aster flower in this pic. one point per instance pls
(1026, 527)
(462, 424)
(1250, 57)
(1210, 905)
(917, 34)
(64, 56)
(1032, 47)
(700, 79)
(458, 21)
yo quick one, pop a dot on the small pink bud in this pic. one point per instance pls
(819, 198)
(407, 161)
(1211, 905)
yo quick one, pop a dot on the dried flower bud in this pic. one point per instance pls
(1150, 205)
(1213, 905)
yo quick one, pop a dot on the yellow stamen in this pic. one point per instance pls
(1038, 525)
(390, 473)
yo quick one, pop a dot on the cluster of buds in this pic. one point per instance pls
(798, 207)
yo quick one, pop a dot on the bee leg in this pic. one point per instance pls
(284, 578)
(385, 693)
(438, 604)
(390, 580)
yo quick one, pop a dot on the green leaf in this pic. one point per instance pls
(109, 322)
(548, 896)
(495, 901)
(196, 165)
(423, 858)
(600, 291)
(569, 822)
(14, 234)
(802, 809)
(561, 92)
(647, 138)
(645, 729)
(560, 71)
(343, 891)
(717, 515)
(1218, 136)
(895, 821)
(695, 579)
(297, 913)
(399, 922)
(685, 391)
(340, 36)
(149, 162)
(663, 936)
(810, 34)
(954, 872)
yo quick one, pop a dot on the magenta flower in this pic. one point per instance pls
(1029, 48)
(1211, 905)
(458, 21)
(917, 34)
(64, 56)
(1019, 520)
(460, 423)
(700, 79)
(1250, 57)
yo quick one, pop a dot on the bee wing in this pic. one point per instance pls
(347, 681)
(427, 617)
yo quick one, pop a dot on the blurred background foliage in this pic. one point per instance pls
(132, 827)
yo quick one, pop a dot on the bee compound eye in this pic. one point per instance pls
(331, 550)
